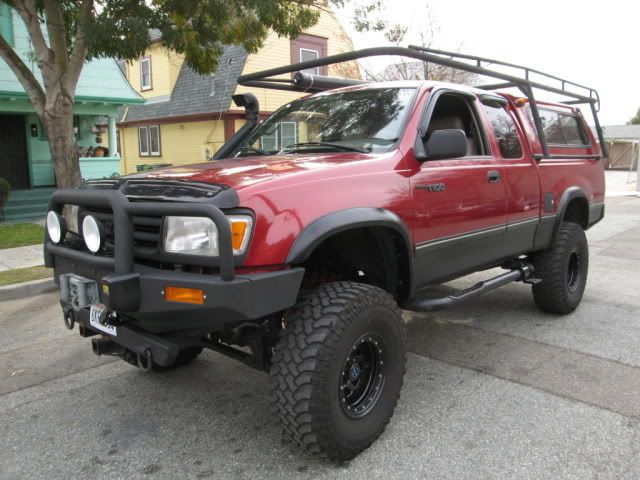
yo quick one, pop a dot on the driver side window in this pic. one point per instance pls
(453, 111)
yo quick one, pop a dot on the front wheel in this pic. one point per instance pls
(338, 369)
(563, 270)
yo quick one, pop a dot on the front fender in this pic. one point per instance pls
(324, 227)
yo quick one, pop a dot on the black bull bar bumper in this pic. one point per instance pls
(137, 291)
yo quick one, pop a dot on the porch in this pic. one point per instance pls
(26, 163)
(26, 157)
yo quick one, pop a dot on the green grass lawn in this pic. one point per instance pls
(20, 275)
(20, 234)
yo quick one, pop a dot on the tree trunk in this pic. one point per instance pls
(58, 120)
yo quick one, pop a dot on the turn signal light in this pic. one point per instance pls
(238, 230)
(184, 295)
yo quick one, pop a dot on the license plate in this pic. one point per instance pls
(97, 314)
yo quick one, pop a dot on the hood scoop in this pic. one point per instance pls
(170, 191)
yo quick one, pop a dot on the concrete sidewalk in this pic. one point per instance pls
(21, 257)
(620, 183)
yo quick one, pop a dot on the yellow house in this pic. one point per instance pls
(187, 117)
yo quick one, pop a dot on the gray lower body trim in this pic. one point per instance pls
(596, 213)
(520, 235)
(450, 257)
(544, 232)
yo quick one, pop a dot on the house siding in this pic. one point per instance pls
(184, 94)
(100, 90)
(276, 52)
(165, 67)
(181, 143)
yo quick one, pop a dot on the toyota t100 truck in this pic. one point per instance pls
(295, 250)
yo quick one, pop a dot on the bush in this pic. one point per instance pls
(4, 191)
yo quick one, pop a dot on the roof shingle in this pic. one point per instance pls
(194, 93)
(622, 132)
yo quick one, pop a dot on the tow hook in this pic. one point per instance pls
(145, 362)
(69, 319)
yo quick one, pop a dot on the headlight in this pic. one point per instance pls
(199, 235)
(56, 227)
(93, 233)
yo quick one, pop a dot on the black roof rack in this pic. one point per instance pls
(573, 93)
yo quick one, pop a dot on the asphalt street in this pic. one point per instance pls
(494, 389)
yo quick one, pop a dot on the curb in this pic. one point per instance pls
(26, 289)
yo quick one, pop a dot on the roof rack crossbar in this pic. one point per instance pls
(576, 102)
(526, 70)
(264, 79)
(496, 86)
(418, 55)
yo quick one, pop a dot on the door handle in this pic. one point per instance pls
(493, 176)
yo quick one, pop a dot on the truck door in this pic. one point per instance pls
(459, 203)
(521, 177)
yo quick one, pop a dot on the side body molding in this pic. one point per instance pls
(324, 227)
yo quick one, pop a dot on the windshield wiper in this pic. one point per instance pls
(337, 146)
(257, 151)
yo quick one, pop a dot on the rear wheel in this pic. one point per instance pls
(563, 270)
(338, 369)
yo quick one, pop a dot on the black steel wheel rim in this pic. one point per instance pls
(574, 271)
(362, 376)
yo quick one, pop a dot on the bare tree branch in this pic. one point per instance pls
(44, 55)
(80, 47)
(57, 36)
(25, 76)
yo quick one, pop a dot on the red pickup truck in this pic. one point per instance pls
(295, 249)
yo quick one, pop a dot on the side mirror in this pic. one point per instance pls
(443, 144)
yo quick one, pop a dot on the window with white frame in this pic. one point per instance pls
(284, 135)
(305, 48)
(149, 141)
(306, 55)
(288, 134)
(145, 73)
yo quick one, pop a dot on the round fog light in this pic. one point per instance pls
(93, 233)
(56, 227)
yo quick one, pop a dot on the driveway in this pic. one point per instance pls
(494, 389)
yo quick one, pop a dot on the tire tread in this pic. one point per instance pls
(302, 356)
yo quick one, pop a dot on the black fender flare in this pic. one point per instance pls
(569, 194)
(324, 227)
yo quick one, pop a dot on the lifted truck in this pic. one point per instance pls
(296, 248)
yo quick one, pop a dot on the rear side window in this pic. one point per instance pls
(505, 130)
(562, 128)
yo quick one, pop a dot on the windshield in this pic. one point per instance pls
(364, 121)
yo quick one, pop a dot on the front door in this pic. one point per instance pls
(14, 165)
(459, 203)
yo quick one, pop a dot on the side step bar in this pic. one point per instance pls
(521, 272)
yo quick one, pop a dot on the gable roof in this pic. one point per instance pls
(194, 93)
(622, 131)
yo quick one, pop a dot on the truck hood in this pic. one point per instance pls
(239, 173)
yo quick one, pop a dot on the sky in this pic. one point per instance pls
(591, 43)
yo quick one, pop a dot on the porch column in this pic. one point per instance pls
(113, 138)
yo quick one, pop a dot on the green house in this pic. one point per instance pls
(25, 158)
